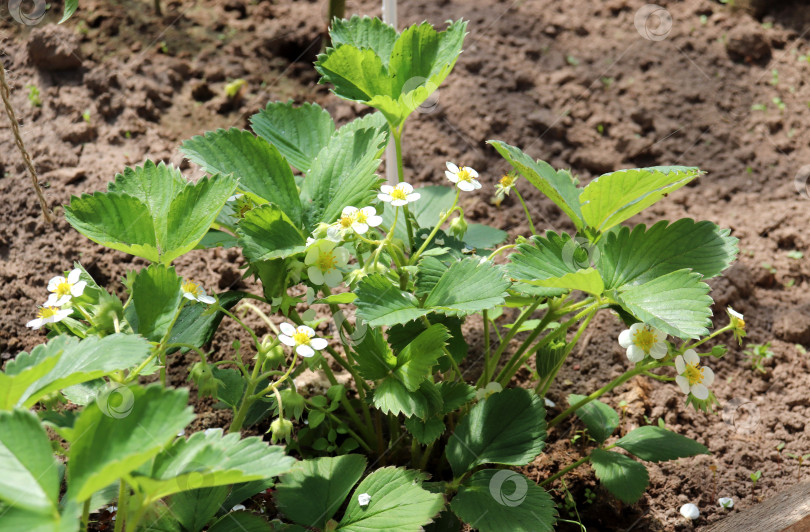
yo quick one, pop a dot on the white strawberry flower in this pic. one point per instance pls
(324, 258)
(354, 219)
(641, 340)
(465, 178)
(48, 314)
(400, 195)
(63, 289)
(301, 338)
(194, 292)
(691, 377)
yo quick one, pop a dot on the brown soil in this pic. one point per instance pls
(573, 83)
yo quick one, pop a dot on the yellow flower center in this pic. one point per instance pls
(740, 324)
(361, 217)
(190, 287)
(301, 338)
(464, 174)
(645, 339)
(63, 289)
(327, 261)
(507, 181)
(346, 221)
(399, 194)
(693, 373)
(46, 312)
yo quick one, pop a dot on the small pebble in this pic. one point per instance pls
(690, 511)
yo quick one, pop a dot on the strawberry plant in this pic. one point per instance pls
(378, 279)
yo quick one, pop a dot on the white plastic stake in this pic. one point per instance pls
(389, 15)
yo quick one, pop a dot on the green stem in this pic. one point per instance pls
(397, 134)
(568, 348)
(603, 390)
(438, 226)
(86, 515)
(487, 347)
(501, 250)
(716, 333)
(565, 470)
(245, 327)
(123, 499)
(162, 346)
(361, 440)
(548, 318)
(249, 398)
(528, 311)
(526, 210)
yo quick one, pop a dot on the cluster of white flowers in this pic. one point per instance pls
(354, 220)
(62, 290)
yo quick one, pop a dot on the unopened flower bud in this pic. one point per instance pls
(280, 429)
(203, 377)
(458, 227)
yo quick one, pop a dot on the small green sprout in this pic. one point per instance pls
(571, 60)
(86, 115)
(774, 77)
(795, 254)
(769, 267)
(33, 95)
(757, 354)
(234, 88)
(777, 101)
(760, 107)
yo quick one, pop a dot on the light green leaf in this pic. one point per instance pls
(365, 32)
(655, 444)
(217, 239)
(398, 503)
(146, 212)
(267, 233)
(260, 168)
(643, 254)
(65, 361)
(625, 478)
(17, 519)
(30, 479)
(373, 357)
(547, 257)
(392, 397)
(335, 299)
(483, 236)
(70, 7)
(587, 280)
(314, 490)
(394, 76)
(492, 497)
(343, 173)
(104, 448)
(156, 296)
(677, 303)
(299, 133)
(599, 418)
(468, 286)
(208, 459)
(558, 185)
(615, 197)
(379, 302)
(415, 362)
(507, 428)
(194, 508)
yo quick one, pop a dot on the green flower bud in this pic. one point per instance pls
(292, 402)
(280, 429)
(458, 227)
(274, 358)
(203, 377)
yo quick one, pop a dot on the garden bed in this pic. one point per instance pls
(574, 84)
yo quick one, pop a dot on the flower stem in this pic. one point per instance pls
(123, 499)
(397, 134)
(565, 470)
(432, 234)
(526, 210)
(621, 379)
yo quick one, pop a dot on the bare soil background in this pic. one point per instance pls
(572, 82)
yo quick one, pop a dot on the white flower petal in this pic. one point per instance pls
(625, 338)
(318, 343)
(405, 187)
(399, 203)
(658, 351)
(691, 357)
(472, 172)
(306, 329)
(466, 186)
(304, 350)
(384, 197)
(286, 340)
(700, 391)
(737, 315)
(35, 324)
(312, 254)
(476, 184)
(708, 376)
(387, 189)
(55, 282)
(452, 177)
(683, 383)
(315, 275)
(333, 233)
(369, 211)
(635, 354)
(452, 167)
(73, 276)
(360, 228)
(374, 220)
(78, 289)
(208, 300)
(413, 197)
(635, 327)
(341, 257)
(287, 328)
(333, 278)
(350, 211)
(680, 365)
(189, 296)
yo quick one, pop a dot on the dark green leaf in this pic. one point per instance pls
(379, 302)
(655, 444)
(625, 478)
(156, 296)
(599, 418)
(392, 397)
(267, 233)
